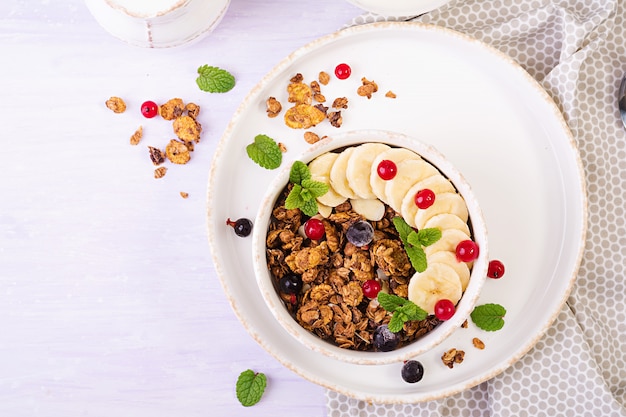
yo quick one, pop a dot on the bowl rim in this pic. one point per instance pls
(417, 347)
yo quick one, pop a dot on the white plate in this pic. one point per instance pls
(398, 7)
(492, 120)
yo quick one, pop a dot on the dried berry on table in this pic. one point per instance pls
(116, 104)
(177, 152)
(136, 137)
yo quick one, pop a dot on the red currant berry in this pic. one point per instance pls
(466, 251)
(387, 169)
(314, 229)
(495, 269)
(149, 109)
(424, 198)
(444, 309)
(343, 71)
(371, 288)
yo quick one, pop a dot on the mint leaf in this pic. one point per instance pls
(412, 311)
(309, 208)
(427, 237)
(316, 188)
(403, 310)
(489, 317)
(299, 172)
(214, 79)
(265, 152)
(390, 302)
(294, 199)
(396, 323)
(417, 256)
(403, 228)
(250, 387)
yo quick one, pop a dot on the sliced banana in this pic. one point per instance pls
(372, 209)
(396, 155)
(338, 178)
(439, 281)
(450, 238)
(449, 258)
(436, 183)
(447, 221)
(320, 171)
(359, 168)
(451, 203)
(410, 171)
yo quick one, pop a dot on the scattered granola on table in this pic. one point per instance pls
(136, 137)
(452, 357)
(184, 194)
(478, 344)
(116, 104)
(172, 109)
(368, 88)
(156, 155)
(160, 172)
(177, 152)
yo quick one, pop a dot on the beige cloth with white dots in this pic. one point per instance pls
(577, 50)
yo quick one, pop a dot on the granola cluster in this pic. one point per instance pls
(331, 304)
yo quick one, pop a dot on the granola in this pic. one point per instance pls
(452, 356)
(332, 304)
(116, 104)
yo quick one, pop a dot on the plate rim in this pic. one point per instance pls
(398, 11)
(523, 349)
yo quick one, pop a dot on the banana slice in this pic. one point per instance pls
(448, 221)
(320, 171)
(451, 203)
(436, 183)
(372, 209)
(338, 178)
(359, 168)
(396, 155)
(450, 238)
(410, 171)
(439, 281)
(449, 258)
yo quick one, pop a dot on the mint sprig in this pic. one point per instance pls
(489, 317)
(403, 310)
(214, 79)
(265, 152)
(305, 191)
(250, 387)
(413, 242)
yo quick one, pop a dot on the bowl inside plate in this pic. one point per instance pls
(267, 283)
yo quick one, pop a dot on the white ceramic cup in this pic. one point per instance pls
(158, 23)
(430, 340)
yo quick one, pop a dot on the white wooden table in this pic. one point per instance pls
(109, 302)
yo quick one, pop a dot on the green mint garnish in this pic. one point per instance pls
(403, 310)
(250, 387)
(305, 191)
(489, 317)
(413, 242)
(214, 79)
(265, 152)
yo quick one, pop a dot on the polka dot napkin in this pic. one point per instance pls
(577, 50)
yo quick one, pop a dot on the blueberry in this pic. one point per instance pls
(412, 371)
(384, 339)
(242, 226)
(290, 284)
(360, 233)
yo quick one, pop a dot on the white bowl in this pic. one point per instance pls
(430, 340)
(158, 23)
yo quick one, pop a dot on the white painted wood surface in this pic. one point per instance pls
(109, 302)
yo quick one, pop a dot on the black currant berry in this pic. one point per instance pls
(242, 226)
